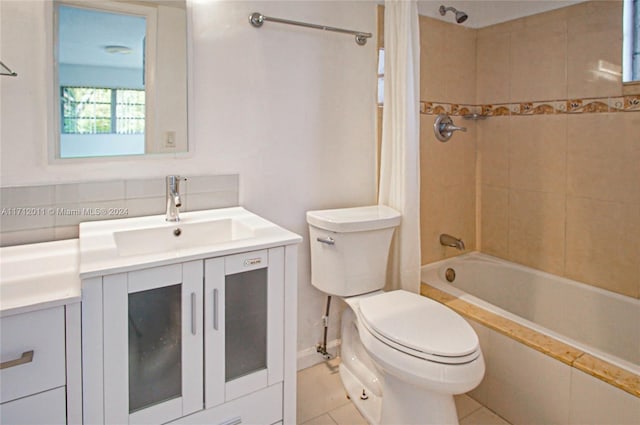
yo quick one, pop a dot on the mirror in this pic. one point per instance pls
(121, 85)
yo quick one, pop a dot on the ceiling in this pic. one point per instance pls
(85, 33)
(483, 13)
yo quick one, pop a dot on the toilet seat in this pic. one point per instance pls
(419, 326)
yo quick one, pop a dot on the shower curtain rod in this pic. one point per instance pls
(257, 19)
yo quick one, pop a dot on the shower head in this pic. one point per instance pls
(460, 16)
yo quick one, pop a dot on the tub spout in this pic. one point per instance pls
(448, 240)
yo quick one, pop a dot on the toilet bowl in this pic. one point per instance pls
(404, 356)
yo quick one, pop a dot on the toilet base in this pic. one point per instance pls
(390, 400)
(404, 403)
(401, 404)
(370, 407)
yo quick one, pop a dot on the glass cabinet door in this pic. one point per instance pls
(245, 318)
(153, 344)
(244, 297)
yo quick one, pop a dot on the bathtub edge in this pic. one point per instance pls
(550, 346)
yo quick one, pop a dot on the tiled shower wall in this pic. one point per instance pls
(52, 212)
(447, 170)
(559, 173)
(551, 179)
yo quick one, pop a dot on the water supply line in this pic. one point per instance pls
(322, 348)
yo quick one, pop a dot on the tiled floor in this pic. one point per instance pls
(322, 401)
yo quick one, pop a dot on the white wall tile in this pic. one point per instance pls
(27, 196)
(89, 192)
(205, 201)
(26, 236)
(25, 219)
(594, 402)
(480, 393)
(64, 206)
(66, 232)
(146, 206)
(75, 213)
(526, 386)
(145, 188)
(205, 184)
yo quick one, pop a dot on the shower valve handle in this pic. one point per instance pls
(451, 127)
(443, 127)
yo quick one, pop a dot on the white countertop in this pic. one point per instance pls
(100, 255)
(49, 274)
(38, 276)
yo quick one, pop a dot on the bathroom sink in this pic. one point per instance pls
(181, 235)
(114, 246)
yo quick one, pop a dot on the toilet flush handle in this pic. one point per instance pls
(328, 240)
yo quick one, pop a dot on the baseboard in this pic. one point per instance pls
(310, 356)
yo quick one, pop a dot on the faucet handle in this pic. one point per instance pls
(174, 180)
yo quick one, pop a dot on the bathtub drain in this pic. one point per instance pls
(450, 274)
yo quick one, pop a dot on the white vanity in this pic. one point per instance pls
(40, 374)
(187, 322)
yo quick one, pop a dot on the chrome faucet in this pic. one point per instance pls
(448, 240)
(174, 201)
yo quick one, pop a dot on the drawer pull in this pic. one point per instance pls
(27, 357)
(233, 421)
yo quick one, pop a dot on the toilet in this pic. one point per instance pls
(404, 356)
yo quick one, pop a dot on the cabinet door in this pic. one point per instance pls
(244, 321)
(153, 344)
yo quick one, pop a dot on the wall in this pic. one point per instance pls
(559, 171)
(447, 84)
(290, 110)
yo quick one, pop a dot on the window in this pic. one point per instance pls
(93, 110)
(631, 41)
(380, 76)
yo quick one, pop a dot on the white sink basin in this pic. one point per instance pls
(181, 235)
(114, 246)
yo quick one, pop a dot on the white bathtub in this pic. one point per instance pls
(596, 322)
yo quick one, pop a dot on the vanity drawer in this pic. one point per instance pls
(32, 351)
(47, 408)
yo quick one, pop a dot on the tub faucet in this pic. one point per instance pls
(174, 201)
(448, 240)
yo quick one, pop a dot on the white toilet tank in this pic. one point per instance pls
(350, 248)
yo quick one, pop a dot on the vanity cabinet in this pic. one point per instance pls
(36, 374)
(200, 341)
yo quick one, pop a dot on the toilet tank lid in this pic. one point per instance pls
(356, 219)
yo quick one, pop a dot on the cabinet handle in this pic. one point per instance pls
(193, 313)
(26, 357)
(233, 421)
(215, 309)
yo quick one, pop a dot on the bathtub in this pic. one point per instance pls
(557, 350)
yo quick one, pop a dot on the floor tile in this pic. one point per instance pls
(465, 405)
(347, 415)
(319, 390)
(483, 416)
(321, 420)
(322, 401)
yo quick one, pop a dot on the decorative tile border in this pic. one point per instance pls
(455, 109)
(570, 106)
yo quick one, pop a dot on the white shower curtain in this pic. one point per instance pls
(400, 154)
